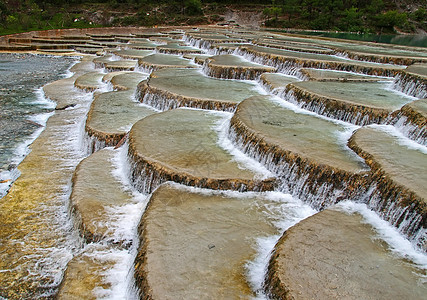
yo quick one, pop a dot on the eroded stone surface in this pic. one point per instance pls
(277, 81)
(234, 67)
(359, 103)
(195, 243)
(398, 173)
(160, 61)
(304, 149)
(177, 48)
(95, 190)
(171, 88)
(112, 114)
(402, 164)
(182, 145)
(83, 278)
(335, 255)
(411, 119)
(330, 75)
(89, 81)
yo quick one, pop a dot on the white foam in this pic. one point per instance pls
(401, 138)
(285, 216)
(389, 86)
(244, 161)
(397, 242)
(123, 223)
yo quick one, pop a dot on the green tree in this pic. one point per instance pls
(352, 20)
(391, 19)
(193, 7)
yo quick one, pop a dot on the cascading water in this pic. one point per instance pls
(297, 177)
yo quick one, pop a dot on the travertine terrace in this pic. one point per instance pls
(233, 137)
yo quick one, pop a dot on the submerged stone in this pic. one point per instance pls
(287, 61)
(121, 65)
(182, 145)
(89, 81)
(336, 255)
(63, 91)
(160, 61)
(112, 114)
(276, 82)
(84, 277)
(330, 75)
(234, 67)
(172, 88)
(177, 48)
(132, 53)
(359, 103)
(95, 191)
(195, 244)
(399, 177)
(304, 149)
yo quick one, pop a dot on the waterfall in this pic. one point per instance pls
(411, 85)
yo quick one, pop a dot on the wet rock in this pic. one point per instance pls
(83, 277)
(160, 61)
(112, 114)
(275, 82)
(172, 88)
(335, 255)
(182, 146)
(398, 188)
(329, 75)
(303, 150)
(288, 62)
(233, 67)
(360, 103)
(195, 243)
(89, 81)
(411, 119)
(412, 81)
(95, 190)
(177, 49)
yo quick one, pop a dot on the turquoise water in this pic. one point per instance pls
(405, 40)
(23, 109)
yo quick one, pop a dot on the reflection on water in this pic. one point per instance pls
(406, 40)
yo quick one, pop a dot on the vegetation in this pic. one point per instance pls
(342, 15)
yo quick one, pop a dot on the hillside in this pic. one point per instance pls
(377, 16)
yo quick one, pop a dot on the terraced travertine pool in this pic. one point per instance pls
(194, 163)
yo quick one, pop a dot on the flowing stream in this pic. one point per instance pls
(41, 148)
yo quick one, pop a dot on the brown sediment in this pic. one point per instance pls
(401, 204)
(165, 100)
(319, 75)
(316, 182)
(214, 68)
(79, 281)
(85, 82)
(285, 62)
(192, 142)
(383, 58)
(336, 108)
(147, 174)
(177, 51)
(194, 245)
(411, 83)
(414, 116)
(336, 255)
(94, 190)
